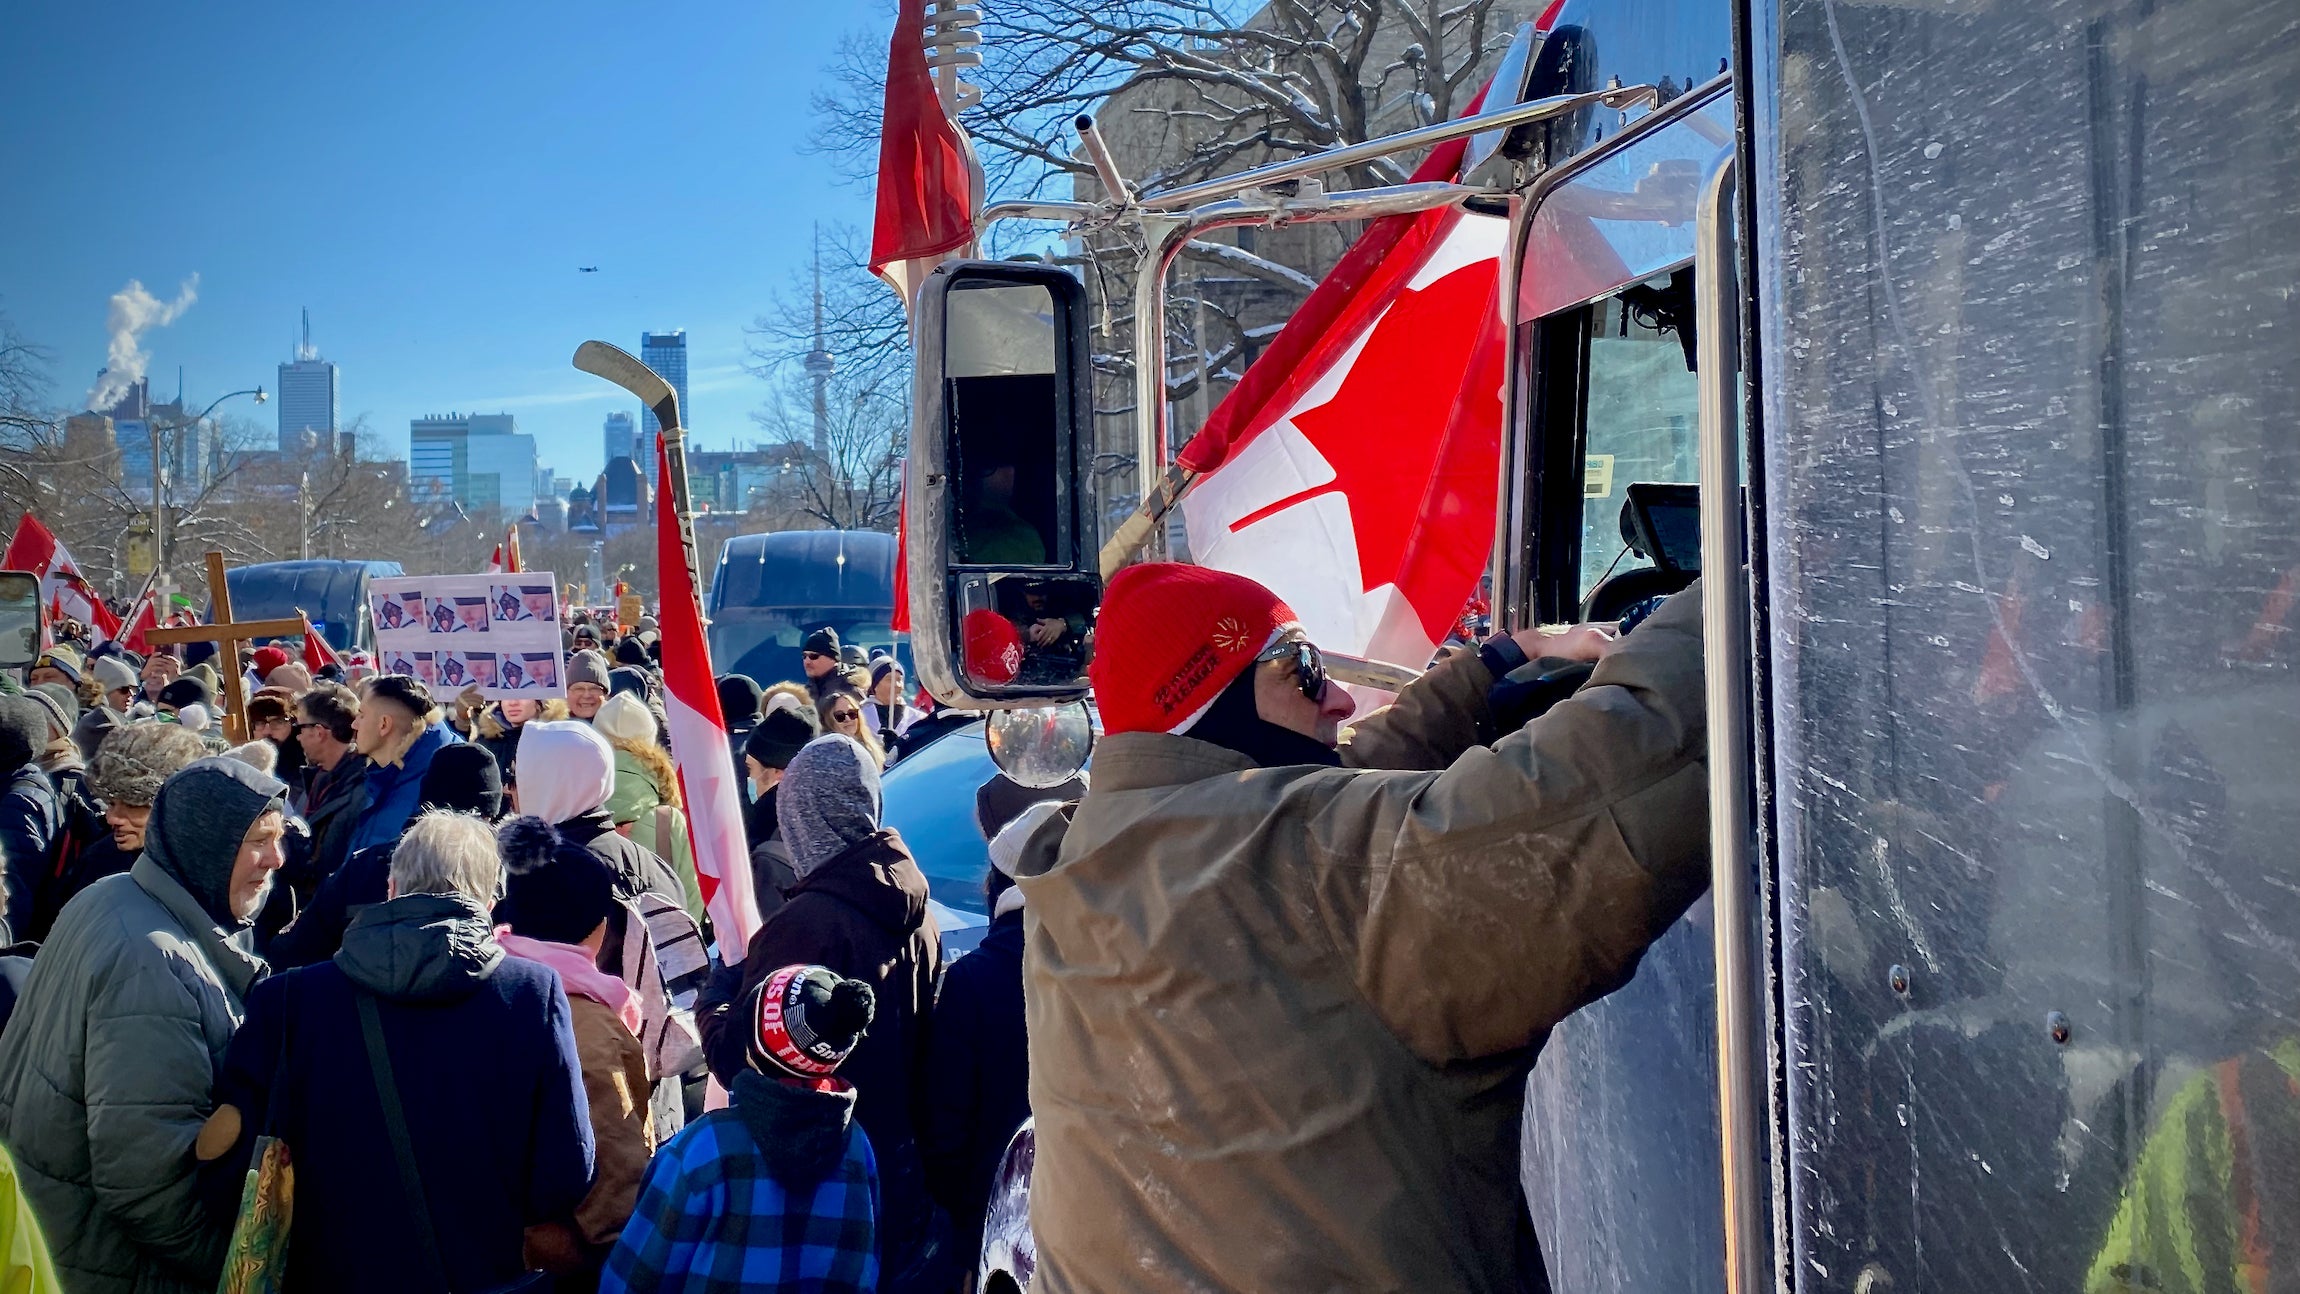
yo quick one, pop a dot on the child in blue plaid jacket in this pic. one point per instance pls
(779, 1191)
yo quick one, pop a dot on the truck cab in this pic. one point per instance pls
(1951, 348)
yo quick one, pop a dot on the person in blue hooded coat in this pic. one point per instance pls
(399, 729)
(482, 1052)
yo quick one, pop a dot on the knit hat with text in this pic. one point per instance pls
(1170, 637)
(805, 1020)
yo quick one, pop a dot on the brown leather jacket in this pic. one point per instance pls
(1280, 1018)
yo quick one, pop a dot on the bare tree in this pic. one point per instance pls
(1184, 91)
(852, 479)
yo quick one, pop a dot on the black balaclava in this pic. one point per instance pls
(1234, 723)
(198, 820)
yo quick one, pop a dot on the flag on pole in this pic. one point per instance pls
(1353, 470)
(901, 619)
(143, 616)
(67, 593)
(925, 182)
(317, 655)
(505, 559)
(699, 744)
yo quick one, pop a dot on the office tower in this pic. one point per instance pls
(482, 462)
(308, 397)
(666, 353)
(622, 437)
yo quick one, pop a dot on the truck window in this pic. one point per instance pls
(1639, 422)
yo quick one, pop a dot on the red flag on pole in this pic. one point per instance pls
(925, 184)
(68, 594)
(317, 655)
(699, 744)
(901, 621)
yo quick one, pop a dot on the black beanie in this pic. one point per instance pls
(823, 642)
(23, 733)
(187, 690)
(631, 651)
(464, 777)
(556, 889)
(780, 733)
(1001, 800)
(739, 697)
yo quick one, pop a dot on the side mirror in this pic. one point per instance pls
(1003, 552)
(20, 619)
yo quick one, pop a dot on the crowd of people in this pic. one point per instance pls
(454, 954)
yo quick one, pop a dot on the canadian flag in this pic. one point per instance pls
(1353, 470)
(505, 559)
(317, 655)
(67, 593)
(699, 745)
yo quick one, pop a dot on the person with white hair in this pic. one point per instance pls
(428, 1084)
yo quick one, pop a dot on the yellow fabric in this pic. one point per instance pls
(24, 1266)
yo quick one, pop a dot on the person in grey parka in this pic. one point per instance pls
(107, 1065)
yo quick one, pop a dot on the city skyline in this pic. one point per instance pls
(441, 263)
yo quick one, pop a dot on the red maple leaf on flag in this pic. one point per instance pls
(1404, 491)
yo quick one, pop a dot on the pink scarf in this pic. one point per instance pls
(578, 972)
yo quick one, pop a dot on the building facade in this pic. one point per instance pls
(621, 436)
(479, 462)
(666, 353)
(309, 400)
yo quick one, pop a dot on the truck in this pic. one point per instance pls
(1968, 330)
(333, 593)
(769, 591)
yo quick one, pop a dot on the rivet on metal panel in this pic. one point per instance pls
(1898, 977)
(2056, 1024)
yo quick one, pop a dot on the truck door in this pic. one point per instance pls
(1620, 1143)
(2027, 326)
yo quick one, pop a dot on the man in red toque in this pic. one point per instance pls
(1284, 993)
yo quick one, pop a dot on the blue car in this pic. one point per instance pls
(929, 799)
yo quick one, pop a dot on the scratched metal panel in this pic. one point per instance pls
(2032, 358)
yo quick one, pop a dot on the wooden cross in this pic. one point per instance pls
(228, 635)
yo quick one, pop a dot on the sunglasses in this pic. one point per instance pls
(1309, 664)
(813, 655)
(297, 728)
(845, 716)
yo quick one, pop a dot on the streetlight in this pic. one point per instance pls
(159, 493)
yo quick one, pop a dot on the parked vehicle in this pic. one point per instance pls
(929, 798)
(771, 590)
(333, 593)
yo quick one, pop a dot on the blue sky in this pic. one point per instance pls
(426, 178)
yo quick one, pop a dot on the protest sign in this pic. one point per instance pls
(497, 632)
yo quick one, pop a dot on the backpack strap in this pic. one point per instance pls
(402, 1148)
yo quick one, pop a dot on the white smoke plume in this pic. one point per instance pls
(133, 312)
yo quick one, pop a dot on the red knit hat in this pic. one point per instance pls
(992, 647)
(267, 659)
(1170, 637)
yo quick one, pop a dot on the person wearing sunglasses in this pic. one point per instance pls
(1340, 955)
(819, 659)
(842, 713)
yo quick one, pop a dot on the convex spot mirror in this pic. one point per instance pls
(1003, 553)
(19, 619)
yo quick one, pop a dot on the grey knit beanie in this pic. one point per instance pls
(587, 667)
(828, 801)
